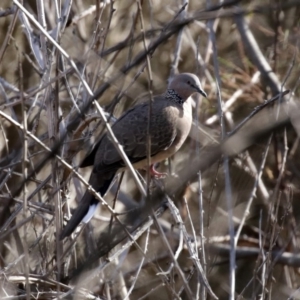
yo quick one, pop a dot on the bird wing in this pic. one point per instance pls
(90, 158)
(131, 132)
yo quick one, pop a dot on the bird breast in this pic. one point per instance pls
(182, 125)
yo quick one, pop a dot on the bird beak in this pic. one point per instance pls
(200, 91)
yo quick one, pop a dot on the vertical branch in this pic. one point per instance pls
(8, 34)
(150, 82)
(228, 189)
(105, 34)
(253, 192)
(202, 239)
(140, 265)
(174, 66)
(177, 51)
(42, 21)
(55, 177)
(25, 173)
(202, 289)
(263, 258)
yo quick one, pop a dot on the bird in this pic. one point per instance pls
(170, 124)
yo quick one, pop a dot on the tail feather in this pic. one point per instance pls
(90, 213)
(87, 206)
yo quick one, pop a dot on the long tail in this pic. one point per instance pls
(88, 203)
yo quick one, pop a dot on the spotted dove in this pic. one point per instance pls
(170, 124)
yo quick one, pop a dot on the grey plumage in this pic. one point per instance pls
(170, 123)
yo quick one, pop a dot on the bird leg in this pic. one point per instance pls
(155, 173)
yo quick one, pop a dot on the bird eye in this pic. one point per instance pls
(189, 82)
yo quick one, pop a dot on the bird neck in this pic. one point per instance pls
(173, 96)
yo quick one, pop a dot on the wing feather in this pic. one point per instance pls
(131, 132)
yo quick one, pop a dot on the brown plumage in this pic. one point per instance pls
(170, 124)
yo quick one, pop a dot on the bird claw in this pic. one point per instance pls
(160, 175)
(157, 174)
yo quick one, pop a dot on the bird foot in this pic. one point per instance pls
(155, 173)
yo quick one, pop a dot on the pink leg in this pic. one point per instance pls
(155, 173)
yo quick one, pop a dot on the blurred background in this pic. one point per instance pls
(237, 217)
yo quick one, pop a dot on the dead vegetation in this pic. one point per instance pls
(224, 223)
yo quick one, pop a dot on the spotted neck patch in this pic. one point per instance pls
(172, 95)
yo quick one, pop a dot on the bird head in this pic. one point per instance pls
(186, 84)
